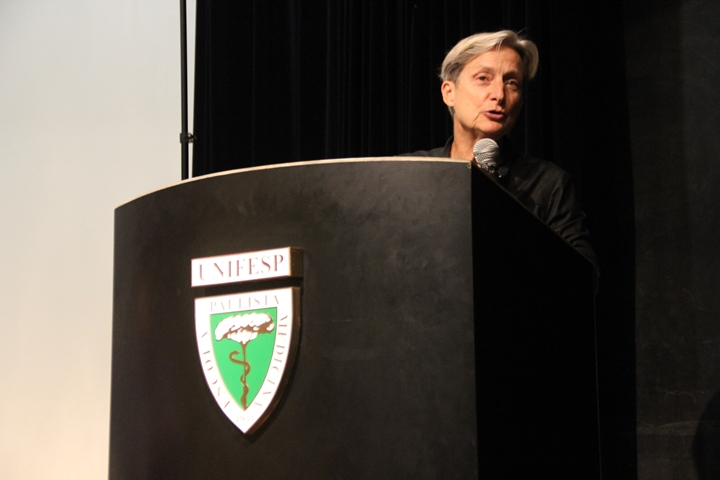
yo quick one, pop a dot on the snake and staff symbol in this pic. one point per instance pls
(243, 329)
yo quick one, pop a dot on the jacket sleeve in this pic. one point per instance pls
(565, 217)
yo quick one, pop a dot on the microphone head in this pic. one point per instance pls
(486, 151)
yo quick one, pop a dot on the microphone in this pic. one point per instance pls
(486, 153)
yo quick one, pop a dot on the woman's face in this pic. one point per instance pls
(487, 96)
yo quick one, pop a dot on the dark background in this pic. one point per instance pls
(626, 100)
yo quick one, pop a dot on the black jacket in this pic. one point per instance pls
(543, 188)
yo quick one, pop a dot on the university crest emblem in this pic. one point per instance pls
(247, 344)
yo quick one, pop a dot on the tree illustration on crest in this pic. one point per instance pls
(243, 329)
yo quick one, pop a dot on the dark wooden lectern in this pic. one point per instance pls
(446, 332)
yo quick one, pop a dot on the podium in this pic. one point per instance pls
(445, 332)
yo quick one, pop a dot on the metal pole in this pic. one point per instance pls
(185, 137)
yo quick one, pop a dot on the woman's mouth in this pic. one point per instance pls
(495, 116)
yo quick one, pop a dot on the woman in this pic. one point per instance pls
(483, 84)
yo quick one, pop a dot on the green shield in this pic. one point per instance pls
(243, 365)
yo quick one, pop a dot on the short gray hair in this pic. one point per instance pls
(472, 46)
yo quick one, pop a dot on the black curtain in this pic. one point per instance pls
(287, 80)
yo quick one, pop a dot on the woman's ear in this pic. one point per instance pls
(448, 93)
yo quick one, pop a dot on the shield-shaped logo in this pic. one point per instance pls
(247, 344)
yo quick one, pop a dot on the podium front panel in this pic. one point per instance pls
(384, 381)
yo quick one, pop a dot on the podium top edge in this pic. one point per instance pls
(301, 164)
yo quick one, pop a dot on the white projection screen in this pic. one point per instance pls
(89, 119)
